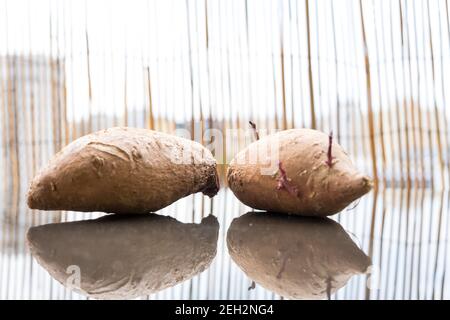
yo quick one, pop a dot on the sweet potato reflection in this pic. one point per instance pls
(124, 256)
(295, 257)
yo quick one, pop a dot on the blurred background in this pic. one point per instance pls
(375, 73)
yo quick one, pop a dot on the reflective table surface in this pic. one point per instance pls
(392, 244)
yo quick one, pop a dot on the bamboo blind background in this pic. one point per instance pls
(374, 72)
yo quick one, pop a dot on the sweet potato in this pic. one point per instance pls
(124, 256)
(297, 171)
(124, 170)
(295, 257)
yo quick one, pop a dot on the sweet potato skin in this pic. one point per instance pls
(124, 256)
(123, 170)
(321, 189)
(295, 257)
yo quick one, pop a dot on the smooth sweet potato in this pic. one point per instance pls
(295, 257)
(124, 256)
(124, 170)
(296, 171)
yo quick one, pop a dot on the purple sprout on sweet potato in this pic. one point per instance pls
(330, 157)
(253, 125)
(283, 181)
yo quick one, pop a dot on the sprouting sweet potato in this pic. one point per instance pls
(297, 171)
(124, 170)
(295, 257)
(124, 256)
